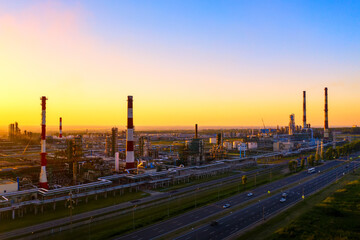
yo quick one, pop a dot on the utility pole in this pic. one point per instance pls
(263, 213)
(218, 192)
(134, 217)
(70, 206)
(196, 197)
(255, 178)
(303, 197)
(168, 211)
(336, 177)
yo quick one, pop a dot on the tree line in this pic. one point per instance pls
(330, 153)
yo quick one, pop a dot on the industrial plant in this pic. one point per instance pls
(87, 165)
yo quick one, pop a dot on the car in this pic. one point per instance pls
(226, 205)
(282, 199)
(284, 194)
(214, 223)
(250, 194)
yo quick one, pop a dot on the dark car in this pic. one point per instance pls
(214, 223)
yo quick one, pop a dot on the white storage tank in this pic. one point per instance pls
(7, 186)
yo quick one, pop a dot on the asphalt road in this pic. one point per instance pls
(165, 227)
(122, 207)
(241, 219)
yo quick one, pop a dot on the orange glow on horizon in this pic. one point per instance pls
(49, 50)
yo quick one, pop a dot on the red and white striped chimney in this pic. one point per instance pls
(130, 136)
(60, 128)
(304, 109)
(43, 178)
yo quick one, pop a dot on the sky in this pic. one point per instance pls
(214, 63)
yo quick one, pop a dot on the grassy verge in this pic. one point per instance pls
(62, 211)
(122, 224)
(313, 217)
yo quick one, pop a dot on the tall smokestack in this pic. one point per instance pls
(304, 109)
(43, 178)
(130, 136)
(326, 123)
(196, 131)
(60, 128)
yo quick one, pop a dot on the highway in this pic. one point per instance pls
(165, 227)
(232, 224)
(115, 210)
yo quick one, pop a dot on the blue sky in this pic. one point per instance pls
(172, 54)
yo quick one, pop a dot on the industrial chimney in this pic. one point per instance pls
(304, 109)
(130, 136)
(326, 123)
(196, 131)
(60, 128)
(43, 178)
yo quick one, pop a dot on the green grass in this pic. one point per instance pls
(332, 213)
(143, 217)
(336, 217)
(247, 169)
(60, 212)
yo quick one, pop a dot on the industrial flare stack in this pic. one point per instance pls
(326, 123)
(60, 128)
(43, 178)
(304, 109)
(130, 136)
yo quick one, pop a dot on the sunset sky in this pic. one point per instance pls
(215, 63)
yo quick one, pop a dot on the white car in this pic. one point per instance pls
(226, 205)
(282, 199)
(250, 194)
(284, 194)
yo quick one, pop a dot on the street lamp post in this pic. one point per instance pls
(133, 215)
(263, 213)
(168, 205)
(218, 192)
(255, 178)
(196, 190)
(90, 220)
(70, 206)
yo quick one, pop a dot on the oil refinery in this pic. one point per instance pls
(83, 167)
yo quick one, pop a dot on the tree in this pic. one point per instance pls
(244, 180)
(311, 160)
(302, 163)
(317, 159)
(329, 153)
(293, 165)
(290, 166)
(336, 152)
